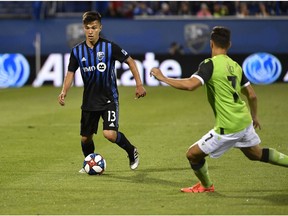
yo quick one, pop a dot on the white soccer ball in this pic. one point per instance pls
(94, 164)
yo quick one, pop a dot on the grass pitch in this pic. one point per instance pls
(40, 157)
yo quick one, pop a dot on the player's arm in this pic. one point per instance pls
(122, 56)
(66, 85)
(72, 67)
(190, 83)
(199, 78)
(250, 94)
(140, 90)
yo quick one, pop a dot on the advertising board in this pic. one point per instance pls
(17, 70)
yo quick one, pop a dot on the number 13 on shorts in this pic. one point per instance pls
(112, 119)
(111, 116)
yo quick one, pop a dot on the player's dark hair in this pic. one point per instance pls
(91, 16)
(221, 36)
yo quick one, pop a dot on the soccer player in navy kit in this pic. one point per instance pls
(96, 58)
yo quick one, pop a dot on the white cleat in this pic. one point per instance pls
(82, 170)
(134, 160)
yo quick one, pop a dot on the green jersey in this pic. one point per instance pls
(224, 79)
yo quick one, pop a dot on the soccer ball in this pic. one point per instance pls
(94, 164)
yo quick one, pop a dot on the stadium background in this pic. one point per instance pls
(39, 29)
(39, 149)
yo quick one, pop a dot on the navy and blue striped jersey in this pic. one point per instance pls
(97, 68)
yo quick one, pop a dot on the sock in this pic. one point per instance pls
(88, 148)
(201, 171)
(124, 143)
(275, 157)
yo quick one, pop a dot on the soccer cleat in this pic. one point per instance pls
(82, 170)
(134, 159)
(198, 188)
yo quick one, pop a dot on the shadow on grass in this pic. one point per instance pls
(277, 197)
(149, 176)
(142, 176)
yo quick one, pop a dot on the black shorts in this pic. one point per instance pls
(90, 120)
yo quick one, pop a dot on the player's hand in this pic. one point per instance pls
(140, 91)
(256, 123)
(157, 74)
(61, 98)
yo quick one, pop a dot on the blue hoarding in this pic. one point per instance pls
(141, 36)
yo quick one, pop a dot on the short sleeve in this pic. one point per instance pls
(73, 63)
(119, 53)
(205, 70)
(244, 80)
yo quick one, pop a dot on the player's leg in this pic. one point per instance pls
(196, 158)
(199, 165)
(87, 145)
(120, 139)
(89, 126)
(267, 155)
(111, 133)
(212, 144)
(249, 145)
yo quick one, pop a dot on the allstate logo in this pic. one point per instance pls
(14, 70)
(262, 68)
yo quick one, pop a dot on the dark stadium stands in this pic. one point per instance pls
(131, 9)
(17, 9)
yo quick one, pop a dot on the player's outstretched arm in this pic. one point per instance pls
(140, 90)
(66, 85)
(190, 83)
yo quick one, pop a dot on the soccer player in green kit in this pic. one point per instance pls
(235, 124)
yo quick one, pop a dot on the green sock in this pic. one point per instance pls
(277, 158)
(203, 174)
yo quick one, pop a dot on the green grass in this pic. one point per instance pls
(40, 156)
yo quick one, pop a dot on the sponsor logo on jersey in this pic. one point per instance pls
(89, 69)
(101, 67)
(196, 36)
(14, 70)
(262, 68)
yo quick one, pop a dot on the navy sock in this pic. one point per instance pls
(88, 148)
(124, 143)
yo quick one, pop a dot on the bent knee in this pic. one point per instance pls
(86, 139)
(195, 154)
(110, 135)
(189, 154)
